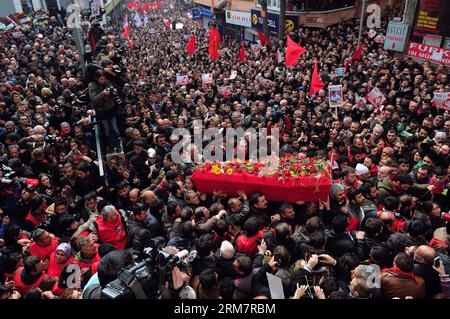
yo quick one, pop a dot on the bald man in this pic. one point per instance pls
(134, 195)
(149, 197)
(383, 171)
(424, 257)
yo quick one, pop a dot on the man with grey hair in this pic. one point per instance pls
(110, 227)
(39, 129)
(336, 204)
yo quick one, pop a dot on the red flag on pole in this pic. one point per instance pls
(316, 82)
(213, 42)
(169, 24)
(293, 52)
(242, 52)
(191, 45)
(263, 39)
(354, 57)
(126, 34)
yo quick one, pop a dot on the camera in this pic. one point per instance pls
(142, 280)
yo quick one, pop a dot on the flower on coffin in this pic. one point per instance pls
(215, 169)
(229, 171)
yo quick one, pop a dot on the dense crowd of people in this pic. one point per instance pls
(67, 231)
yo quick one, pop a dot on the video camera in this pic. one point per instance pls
(142, 280)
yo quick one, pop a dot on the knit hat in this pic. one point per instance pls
(361, 169)
(226, 250)
(151, 152)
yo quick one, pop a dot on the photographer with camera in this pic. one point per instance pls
(104, 104)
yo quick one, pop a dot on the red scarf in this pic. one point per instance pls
(393, 186)
(396, 270)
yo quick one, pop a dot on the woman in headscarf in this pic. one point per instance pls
(62, 257)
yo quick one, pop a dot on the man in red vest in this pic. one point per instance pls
(30, 275)
(44, 244)
(111, 227)
(37, 214)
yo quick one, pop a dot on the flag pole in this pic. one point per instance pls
(363, 9)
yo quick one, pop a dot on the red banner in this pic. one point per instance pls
(428, 53)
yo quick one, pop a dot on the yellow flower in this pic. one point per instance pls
(303, 173)
(215, 169)
(229, 171)
(293, 174)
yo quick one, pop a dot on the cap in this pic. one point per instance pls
(361, 169)
(151, 152)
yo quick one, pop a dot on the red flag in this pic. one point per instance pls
(316, 82)
(242, 52)
(213, 41)
(169, 24)
(293, 52)
(263, 39)
(126, 34)
(191, 45)
(354, 57)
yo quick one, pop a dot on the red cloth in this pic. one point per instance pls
(353, 224)
(242, 52)
(169, 24)
(54, 269)
(44, 252)
(126, 34)
(36, 222)
(290, 190)
(293, 52)
(113, 233)
(401, 272)
(94, 268)
(56, 290)
(191, 45)
(355, 56)
(247, 245)
(263, 39)
(438, 189)
(21, 286)
(213, 43)
(316, 82)
(437, 242)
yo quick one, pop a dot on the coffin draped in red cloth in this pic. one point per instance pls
(306, 189)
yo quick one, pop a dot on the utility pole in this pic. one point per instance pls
(282, 20)
(361, 22)
(263, 4)
(77, 36)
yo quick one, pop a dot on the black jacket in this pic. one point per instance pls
(339, 244)
(431, 278)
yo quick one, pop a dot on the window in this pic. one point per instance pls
(273, 4)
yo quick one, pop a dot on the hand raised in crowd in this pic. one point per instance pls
(441, 269)
(318, 292)
(327, 259)
(360, 235)
(300, 291)
(313, 261)
(262, 248)
(242, 195)
(275, 218)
